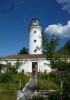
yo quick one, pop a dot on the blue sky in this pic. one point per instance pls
(16, 15)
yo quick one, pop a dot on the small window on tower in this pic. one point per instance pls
(34, 31)
(34, 40)
(35, 50)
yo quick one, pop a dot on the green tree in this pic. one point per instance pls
(65, 50)
(23, 51)
(59, 61)
(50, 45)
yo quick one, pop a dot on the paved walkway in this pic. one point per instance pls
(29, 89)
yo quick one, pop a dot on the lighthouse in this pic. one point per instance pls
(35, 61)
(35, 39)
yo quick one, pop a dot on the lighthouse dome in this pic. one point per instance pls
(35, 23)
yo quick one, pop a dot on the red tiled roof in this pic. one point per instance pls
(24, 56)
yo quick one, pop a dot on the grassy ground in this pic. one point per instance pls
(48, 82)
(8, 88)
(8, 95)
(55, 81)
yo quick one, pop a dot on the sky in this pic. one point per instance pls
(16, 15)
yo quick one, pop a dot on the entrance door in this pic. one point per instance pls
(34, 68)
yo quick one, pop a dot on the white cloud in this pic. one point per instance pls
(59, 29)
(65, 3)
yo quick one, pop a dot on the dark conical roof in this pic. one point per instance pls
(35, 19)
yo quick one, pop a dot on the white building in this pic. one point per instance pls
(35, 60)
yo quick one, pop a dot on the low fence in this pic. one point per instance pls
(20, 94)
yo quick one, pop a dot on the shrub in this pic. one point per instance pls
(54, 96)
(6, 77)
(38, 97)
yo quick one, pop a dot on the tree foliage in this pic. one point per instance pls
(23, 51)
(50, 45)
(65, 50)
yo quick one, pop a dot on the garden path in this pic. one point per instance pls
(29, 89)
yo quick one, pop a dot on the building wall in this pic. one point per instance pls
(26, 65)
(35, 41)
(43, 65)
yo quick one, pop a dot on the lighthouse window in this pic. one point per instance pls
(37, 47)
(34, 31)
(34, 40)
(35, 50)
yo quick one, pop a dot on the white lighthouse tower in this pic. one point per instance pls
(35, 40)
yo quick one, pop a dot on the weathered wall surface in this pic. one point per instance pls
(26, 65)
